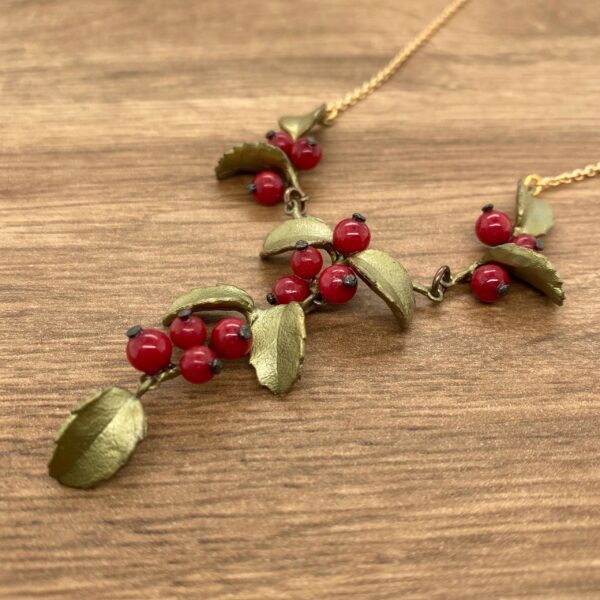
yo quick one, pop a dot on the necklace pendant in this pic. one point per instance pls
(102, 432)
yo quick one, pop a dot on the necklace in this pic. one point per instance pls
(101, 433)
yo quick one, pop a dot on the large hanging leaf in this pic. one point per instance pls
(218, 297)
(534, 215)
(254, 158)
(388, 279)
(285, 236)
(277, 353)
(97, 438)
(529, 266)
(298, 125)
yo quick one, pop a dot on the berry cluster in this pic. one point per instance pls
(336, 284)
(305, 153)
(491, 282)
(150, 350)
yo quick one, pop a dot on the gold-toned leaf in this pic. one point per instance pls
(285, 236)
(217, 297)
(298, 125)
(534, 215)
(97, 438)
(530, 266)
(277, 353)
(254, 158)
(388, 279)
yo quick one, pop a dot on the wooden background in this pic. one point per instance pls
(457, 460)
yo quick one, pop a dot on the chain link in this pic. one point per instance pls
(441, 281)
(294, 202)
(538, 184)
(368, 87)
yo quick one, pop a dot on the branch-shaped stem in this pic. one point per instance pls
(151, 382)
(314, 301)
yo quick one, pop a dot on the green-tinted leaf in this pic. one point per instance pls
(534, 215)
(285, 236)
(254, 158)
(529, 266)
(277, 353)
(217, 297)
(388, 279)
(97, 438)
(298, 125)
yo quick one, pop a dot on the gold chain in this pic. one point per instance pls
(538, 184)
(368, 87)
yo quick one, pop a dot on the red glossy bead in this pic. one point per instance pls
(187, 330)
(148, 350)
(199, 364)
(493, 226)
(306, 261)
(351, 235)
(526, 240)
(306, 153)
(490, 283)
(281, 139)
(338, 284)
(231, 338)
(268, 188)
(290, 288)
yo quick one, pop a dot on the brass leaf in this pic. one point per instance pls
(298, 125)
(277, 353)
(388, 279)
(529, 266)
(254, 158)
(534, 215)
(217, 297)
(98, 438)
(285, 236)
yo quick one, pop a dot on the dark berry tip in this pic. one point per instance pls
(487, 208)
(133, 331)
(245, 332)
(302, 245)
(216, 366)
(185, 314)
(270, 134)
(310, 140)
(503, 289)
(359, 217)
(251, 188)
(350, 281)
(539, 244)
(271, 298)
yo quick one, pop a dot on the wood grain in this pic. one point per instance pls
(457, 460)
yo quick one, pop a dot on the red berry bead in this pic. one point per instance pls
(490, 283)
(526, 240)
(306, 153)
(148, 350)
(268, 188)
(351, 235)
(338, 284)
(187, 330)
(231, 338)
(281, 139)
(493, 227)
(290, 288)
(199, 364)
(306, 261)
